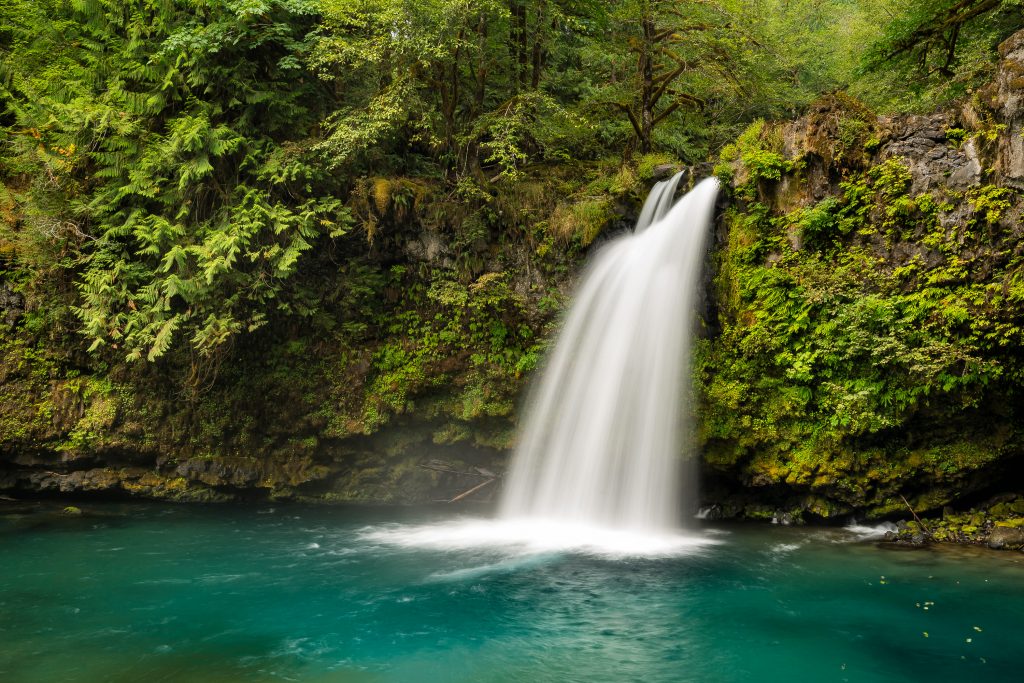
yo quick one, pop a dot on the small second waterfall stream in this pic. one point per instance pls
(607, 425)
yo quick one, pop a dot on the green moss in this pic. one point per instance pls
(26, 398)
(646, 164)
(583, 220)
(502, 438)
(1000, 510)
(755, 157)
(102, 401)
(1015, 523)
(833, 355)
(451, 433)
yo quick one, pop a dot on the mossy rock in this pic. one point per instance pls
(1000, 510)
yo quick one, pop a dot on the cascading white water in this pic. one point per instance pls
(606, 425)
(658, 203)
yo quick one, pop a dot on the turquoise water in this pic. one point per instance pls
(160, 593)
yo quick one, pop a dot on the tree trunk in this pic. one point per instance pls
(538, 46)
(647, 85)
(480, 78)
(517, 44)
(522, 49)
(479, 93)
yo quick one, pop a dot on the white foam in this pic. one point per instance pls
(780, 548)
(865, 533)
(505, 566)
(531, 536)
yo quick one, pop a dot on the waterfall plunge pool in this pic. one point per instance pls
(149, 592)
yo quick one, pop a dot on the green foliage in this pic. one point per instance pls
(529, 126)
(181, 160)
(173, 141)
(459, 351)
(762, 164)
(937, 49)
(471, 84)
(891, 179)
(991, 202)
(667, 61)
(812, 47)
(827, 348)
(753, 158)
(956, 135)
(820, 225)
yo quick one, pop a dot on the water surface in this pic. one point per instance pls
(163, 593)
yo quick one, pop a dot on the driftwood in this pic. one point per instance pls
(919, 520)
(473, 490)
(439, 466)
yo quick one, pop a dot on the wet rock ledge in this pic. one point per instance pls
(998, 524)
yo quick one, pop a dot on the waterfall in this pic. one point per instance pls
(659, 201)
(607, 426)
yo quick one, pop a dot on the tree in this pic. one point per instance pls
(457, 81)
(929, 33)
(669, 56)
(943, 47)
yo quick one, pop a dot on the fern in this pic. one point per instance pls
(182, 122)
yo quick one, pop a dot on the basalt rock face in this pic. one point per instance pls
(12, 305)
(1008, 101)
(923, 143)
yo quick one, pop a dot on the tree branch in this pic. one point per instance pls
(632, 117)
(955, 16)
(683, 98)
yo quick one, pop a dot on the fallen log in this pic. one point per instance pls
(924, 526)
(473, 490)
(451, 470)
